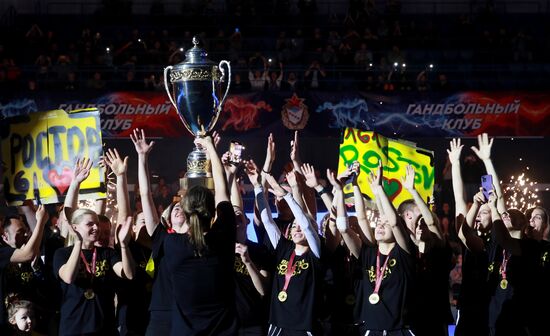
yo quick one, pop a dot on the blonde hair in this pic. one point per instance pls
(79, 213)
(13, 304)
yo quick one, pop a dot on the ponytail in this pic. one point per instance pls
(196, 233)
(199, 207)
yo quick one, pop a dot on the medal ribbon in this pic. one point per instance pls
(504, 264)
(380, 271)
(88, 269)
(291, 267)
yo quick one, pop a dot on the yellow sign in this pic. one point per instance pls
(368, 148)
(39, 151)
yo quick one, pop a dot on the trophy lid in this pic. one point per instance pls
(196, 55)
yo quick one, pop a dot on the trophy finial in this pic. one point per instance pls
(196, 41)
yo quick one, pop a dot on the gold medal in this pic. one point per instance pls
(374, 298)
(282, 296)
(503, 283)
(350, 299)
(89, 294)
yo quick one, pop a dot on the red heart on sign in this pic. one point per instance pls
(392, 187)
(61, 182)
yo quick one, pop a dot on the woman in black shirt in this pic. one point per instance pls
(200, 261)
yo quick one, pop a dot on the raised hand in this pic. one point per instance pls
(336, 183)
(291, 179)
(141, 145)
(295, 152)
(355, 170)
(204, 142)
(479, 198)
(242, 250)
(229, 166)
(82, 169)
(375, 178)
(276, 188)
(309, 175)
(216, 138)
(125, 232)
(454, 150)
(484, 150)
(408, 181)
(252, 172)
(41, 215)
(114, 161)
(269, 153)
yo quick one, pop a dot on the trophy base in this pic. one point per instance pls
(188, 182)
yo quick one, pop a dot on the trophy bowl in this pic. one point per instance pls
(195, 88)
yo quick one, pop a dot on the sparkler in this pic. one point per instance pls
(521, 193)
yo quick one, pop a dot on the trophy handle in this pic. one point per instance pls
(228, 79)
(167, 88)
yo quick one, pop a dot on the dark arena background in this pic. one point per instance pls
(414, 70)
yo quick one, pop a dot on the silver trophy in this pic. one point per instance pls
(194, 87)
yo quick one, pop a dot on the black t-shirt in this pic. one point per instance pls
(511, 308)
(341, 287)
(251, 307)
(431, 296)
(78, 314)
(203, 287)
(5, 256)
(134, 296)
(301, 309)
(161, 296)
(390, 312)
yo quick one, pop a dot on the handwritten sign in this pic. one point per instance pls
(39, 151)
(368, 148)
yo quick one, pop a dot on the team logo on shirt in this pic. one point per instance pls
(544, 259)
(295, 113)
(240, 267)
(300, 265)
(372, 273)
(101, 269)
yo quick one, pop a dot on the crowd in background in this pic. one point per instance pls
(371, 48)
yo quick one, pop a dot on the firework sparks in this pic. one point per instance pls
(521, 193)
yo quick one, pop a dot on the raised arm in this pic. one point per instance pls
(221, 194)
(231, 174)
(484, 153)
(31, 249)
(467, 232)
(458, 185)
(271, 228)
(308, 225)
(399, 232)
(312, 182)
(126, 267)
(360, 210)
(297, 193)
(352, 241)
(119, 167)
(81, 172)
(259, 278)
(149, 210)
(295, 153)
(269, 159)
(408, 184)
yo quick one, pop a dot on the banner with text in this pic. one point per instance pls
(369, 148)
(403, 114)
(39, 151)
